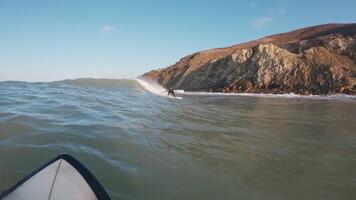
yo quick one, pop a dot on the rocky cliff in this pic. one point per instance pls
(313, 60)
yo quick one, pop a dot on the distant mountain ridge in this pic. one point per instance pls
(313, 60)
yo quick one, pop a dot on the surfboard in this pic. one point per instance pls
(175, 97)
(63, 177)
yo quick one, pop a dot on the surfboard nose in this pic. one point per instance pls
(61, 178)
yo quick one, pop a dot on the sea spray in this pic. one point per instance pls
(155, 87)
(151, 86)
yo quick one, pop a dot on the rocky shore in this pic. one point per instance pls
(313, 60)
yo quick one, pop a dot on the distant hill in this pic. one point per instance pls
(313, 60)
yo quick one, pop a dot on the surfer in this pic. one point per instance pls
(171, 91)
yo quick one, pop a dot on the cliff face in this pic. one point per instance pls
(314, 60)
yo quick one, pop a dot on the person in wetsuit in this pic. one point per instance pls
(171, 91)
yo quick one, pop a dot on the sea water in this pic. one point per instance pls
(141, 145)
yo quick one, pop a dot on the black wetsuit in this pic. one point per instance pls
(171, 91)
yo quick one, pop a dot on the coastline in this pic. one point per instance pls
(318, 60)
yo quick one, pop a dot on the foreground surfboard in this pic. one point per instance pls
(63, 178)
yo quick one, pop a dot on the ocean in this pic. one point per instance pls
(141, 145)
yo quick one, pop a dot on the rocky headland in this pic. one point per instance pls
(314, 60)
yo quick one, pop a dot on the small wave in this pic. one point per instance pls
(98, 82)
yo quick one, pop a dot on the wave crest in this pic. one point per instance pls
(151, 86)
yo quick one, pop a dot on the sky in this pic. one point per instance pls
(44, 40)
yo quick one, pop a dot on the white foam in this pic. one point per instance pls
(288, 95)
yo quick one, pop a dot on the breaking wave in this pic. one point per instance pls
(158, 89)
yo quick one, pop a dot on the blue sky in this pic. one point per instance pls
(43, 40)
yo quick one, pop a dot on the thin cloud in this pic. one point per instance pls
(261, 22)
(107, 28)
(252, 4)
(276, 12)
(282, 11)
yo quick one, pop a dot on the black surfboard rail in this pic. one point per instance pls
(94, 184)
